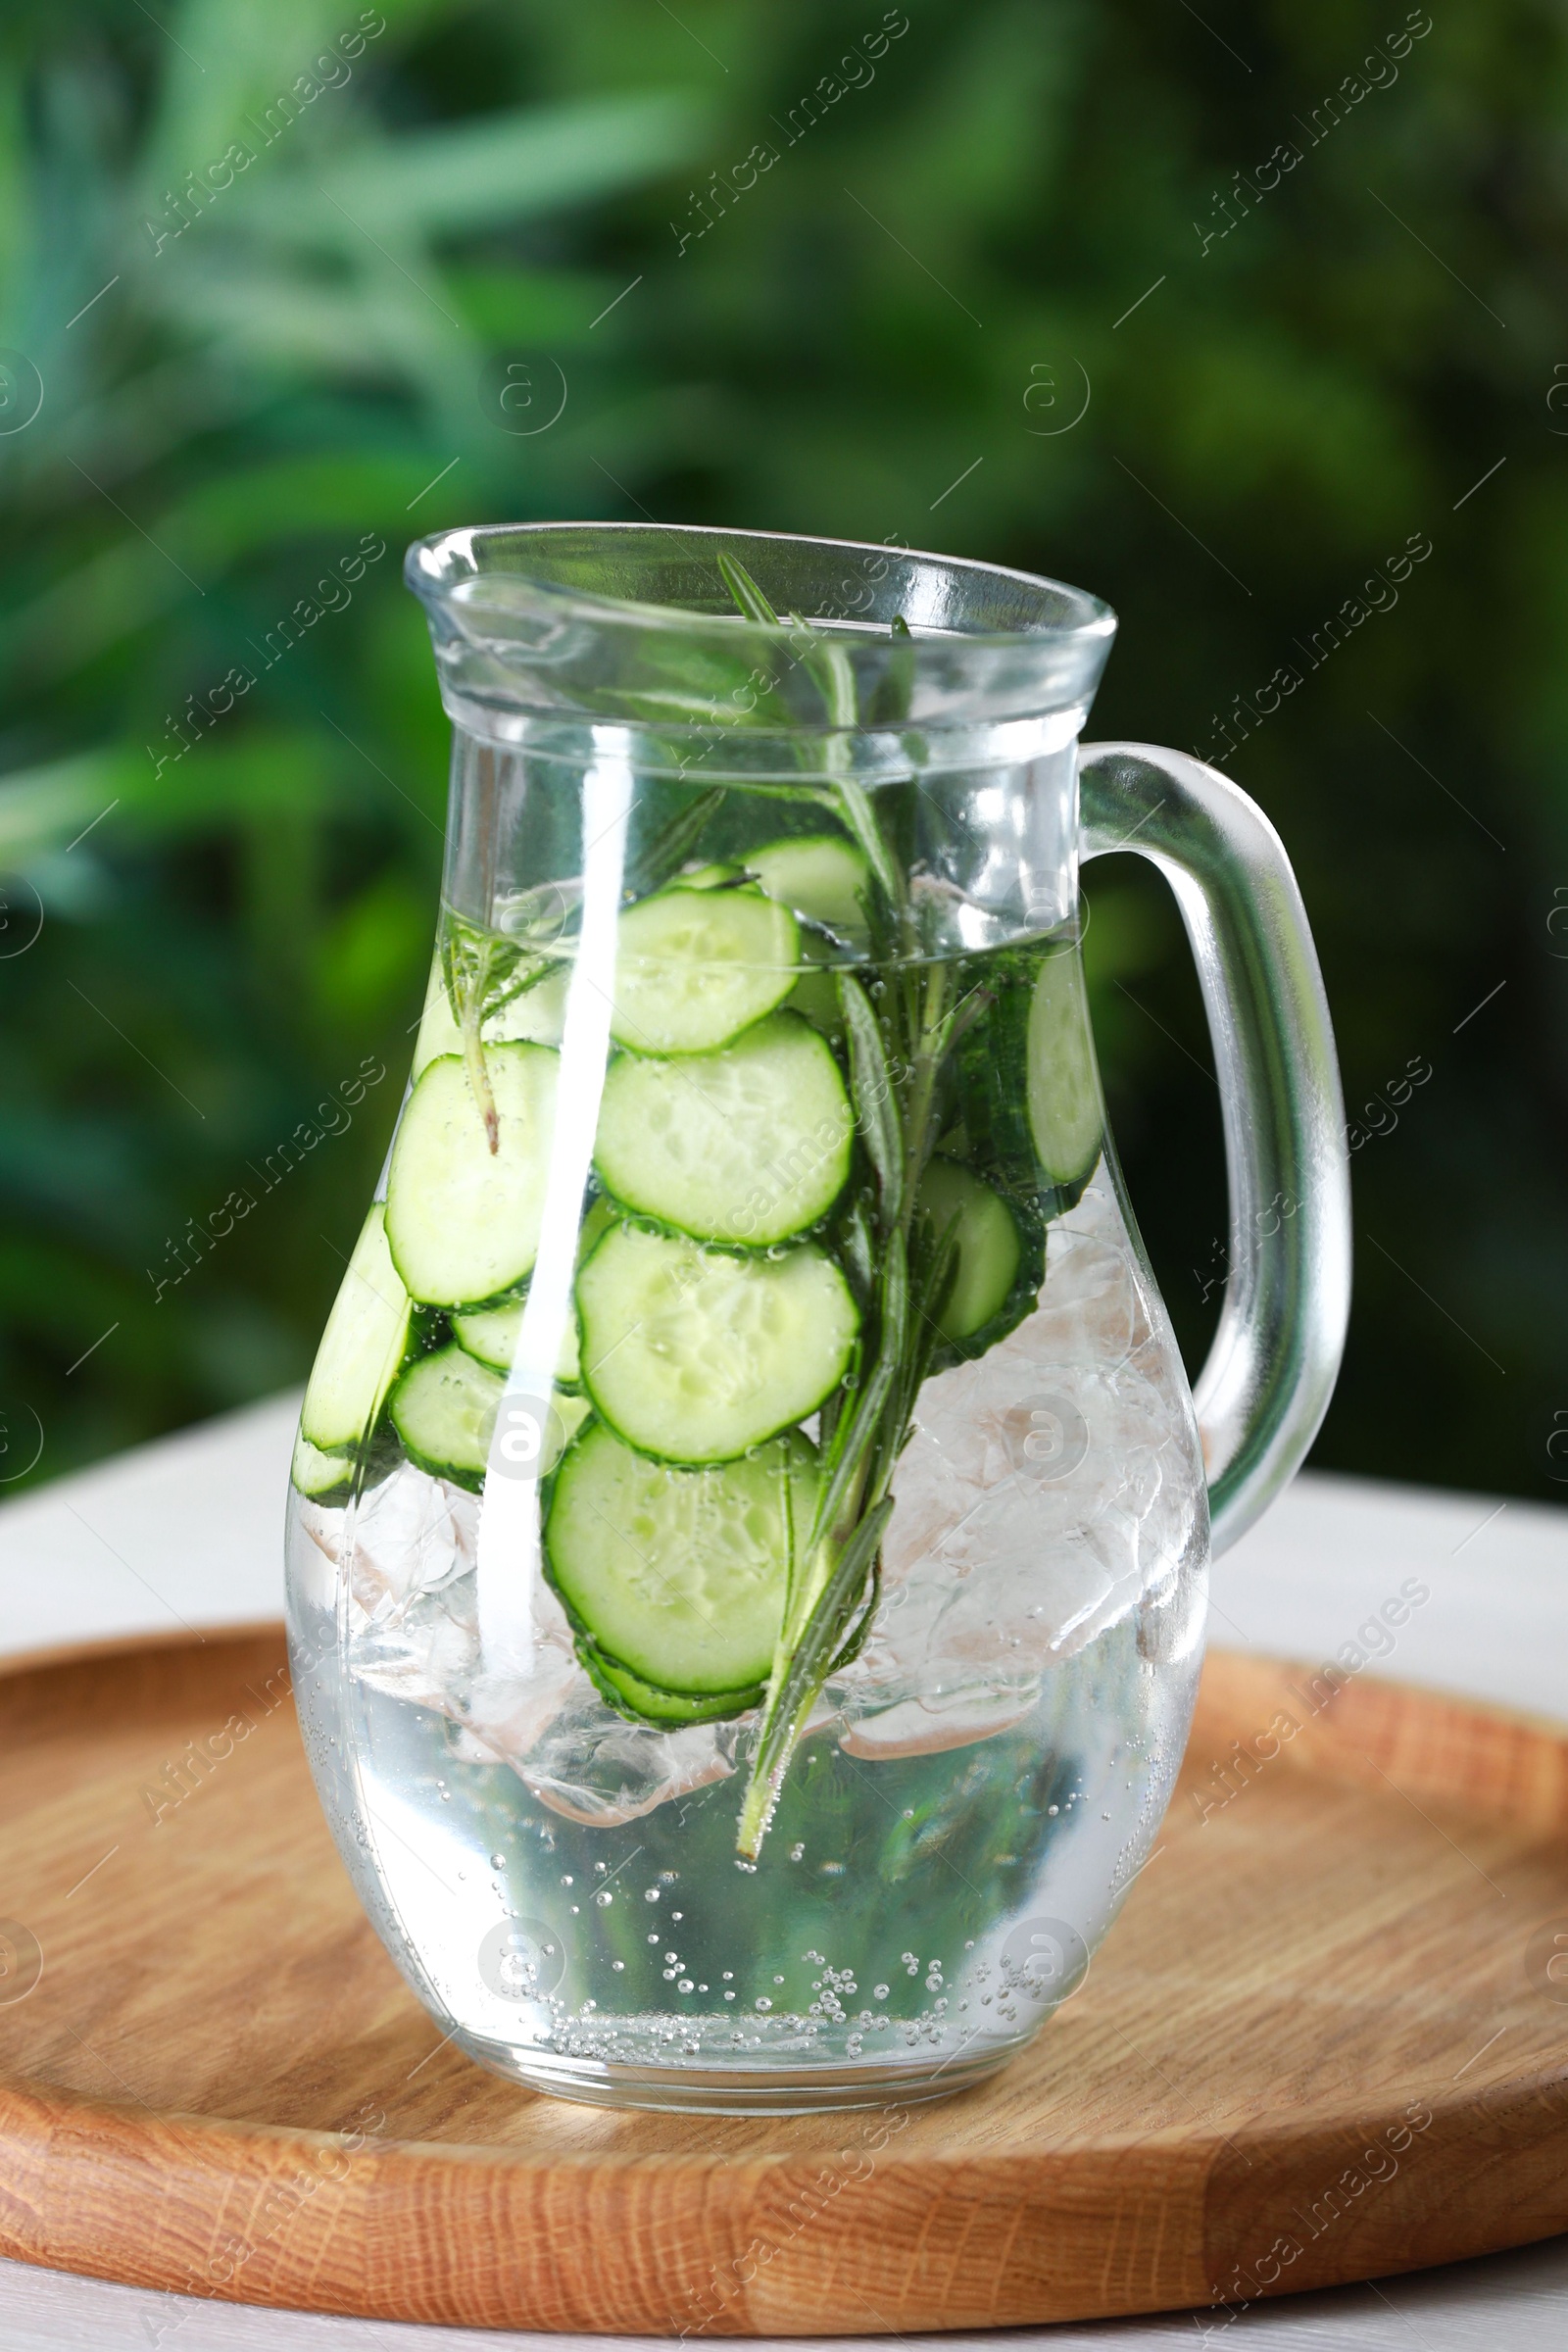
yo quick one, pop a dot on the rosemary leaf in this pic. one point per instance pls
(505, 988)
(929, 1298)
(874, 1099)
(855, 1639)
(811, 1663)
(468, 962)
(860, 818)
(894, 689)
(663, 855)
(845, 1479)
(858, 1255)
(746, 594)
(830, 668)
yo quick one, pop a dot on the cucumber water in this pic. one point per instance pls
(747, 1541)
(781, 1221)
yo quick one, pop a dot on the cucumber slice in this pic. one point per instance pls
(751, 1144)
(990, 1246)
(695, 968)
(818, 875)
(645, 1703)
(1067, 1116)
(815, 997)
(713, 877)
(444, 1410)
(323, 1477)
(462, 1222)
(602, 1214)
(366, 1339)
(570, 1412)
(694, 1358)
(490, 1334)
(538, 1016)
(679, 1577)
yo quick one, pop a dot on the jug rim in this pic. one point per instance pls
(444, 562)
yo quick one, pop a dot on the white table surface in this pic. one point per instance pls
(188, 1532)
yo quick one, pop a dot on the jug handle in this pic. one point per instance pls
(1270, 1372)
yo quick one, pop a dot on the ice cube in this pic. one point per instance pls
(1034, 1511)
(917, 1728)
(594, 1767)
(412, 1534)
(426, 1654)
(506, 1716)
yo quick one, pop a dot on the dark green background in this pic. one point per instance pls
(916, 291)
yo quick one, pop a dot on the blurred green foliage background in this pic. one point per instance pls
(218, 393)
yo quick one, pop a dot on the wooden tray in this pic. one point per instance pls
(1322, 2043)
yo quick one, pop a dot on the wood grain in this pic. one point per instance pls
(1319, 2046)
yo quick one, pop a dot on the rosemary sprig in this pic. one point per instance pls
(875, 1101)
(829, 667)
(901, 1272)
(809, 1662)
(483, 973)
(829, 1608)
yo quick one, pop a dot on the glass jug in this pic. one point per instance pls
(748, 1525)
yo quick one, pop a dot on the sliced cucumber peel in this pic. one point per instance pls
(444, 1412)
(695, 968)
(490, 1334)
(677, 1579)
(462, 1221)
(364, 1340)
(644, 1702)
(819, 875)
(321, 1477)
(1066, 1115)
(694, 1356)
(750, 1144)
(989, 1246)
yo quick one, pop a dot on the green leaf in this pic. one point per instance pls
(669, 848)
(876, 1102)
(43, 808)
(809, 1665)
(490, 169)
(894, 689)
(851, 1455)
(746, 594)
